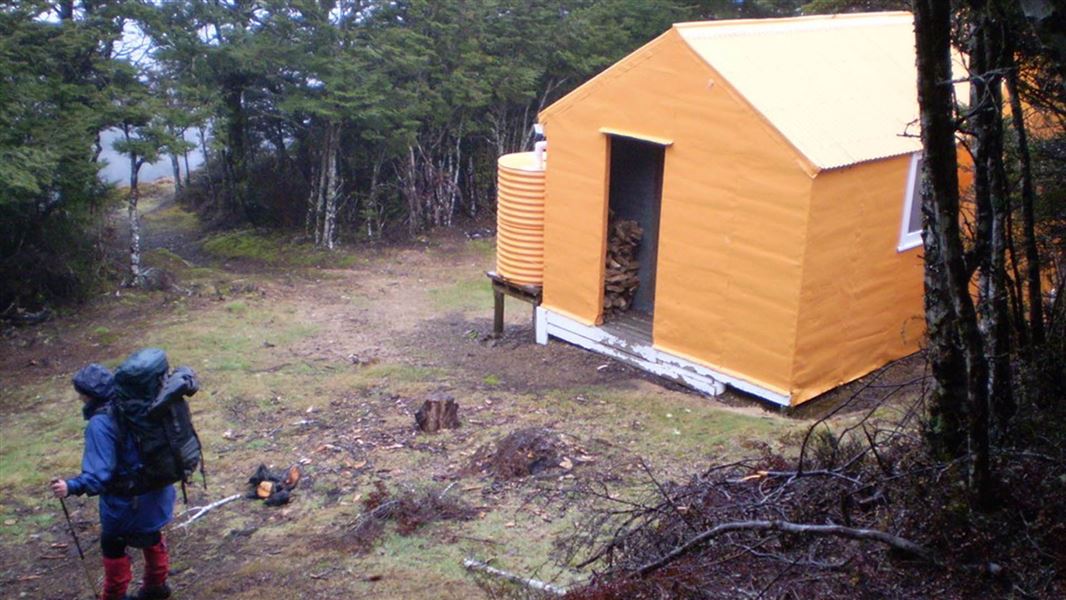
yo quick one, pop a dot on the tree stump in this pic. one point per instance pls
(439, 411)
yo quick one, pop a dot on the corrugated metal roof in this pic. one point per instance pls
(842, 89)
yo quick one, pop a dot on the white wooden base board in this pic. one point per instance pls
(644, 356)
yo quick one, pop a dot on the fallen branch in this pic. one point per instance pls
(478, 539)
(203, 510)
(536, 584)
(381, 512)
(893, 541)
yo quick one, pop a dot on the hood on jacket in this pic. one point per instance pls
(95, 381)
(139, 376)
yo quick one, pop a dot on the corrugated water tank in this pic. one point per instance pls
(520, 218)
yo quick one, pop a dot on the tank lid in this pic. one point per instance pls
(520, 161)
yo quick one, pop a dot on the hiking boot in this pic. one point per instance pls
(155, 592)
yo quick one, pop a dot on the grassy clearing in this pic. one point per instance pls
(278, 387)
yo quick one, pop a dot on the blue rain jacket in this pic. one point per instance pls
(106, 457)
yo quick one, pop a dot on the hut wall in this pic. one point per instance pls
(861, 300)
(733, 219)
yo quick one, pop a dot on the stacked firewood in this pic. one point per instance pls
(622, 278)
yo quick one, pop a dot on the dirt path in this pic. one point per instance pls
(168, 226)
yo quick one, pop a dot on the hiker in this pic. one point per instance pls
(128, 517)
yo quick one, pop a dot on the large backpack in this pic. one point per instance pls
(151, 408)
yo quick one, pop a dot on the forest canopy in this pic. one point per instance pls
(348, 119)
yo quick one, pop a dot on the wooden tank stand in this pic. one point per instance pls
(501, 287)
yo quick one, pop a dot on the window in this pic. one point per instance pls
(910, 230)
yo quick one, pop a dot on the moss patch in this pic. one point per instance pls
(276, 250)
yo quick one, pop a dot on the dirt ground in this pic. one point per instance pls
(320, 360)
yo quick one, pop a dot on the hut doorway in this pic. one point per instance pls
(635, 196)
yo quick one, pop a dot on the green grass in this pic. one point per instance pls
(41, 440)
(104, 335)
(237, 307)
(403, 373)
(485, 248)
(672, 429)
(20, 526)
(360, 301)
(234, 335)
(202, 273)
(474, 293)
(172, 217)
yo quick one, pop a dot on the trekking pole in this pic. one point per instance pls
(77, 544)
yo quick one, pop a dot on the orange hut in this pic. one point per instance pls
(772, 165)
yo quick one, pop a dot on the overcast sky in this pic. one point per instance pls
(118, 167)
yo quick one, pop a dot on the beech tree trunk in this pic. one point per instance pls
(188, 177)
(993, 203)
(136, 276)
(332, 191)
(207, 163)
(410, 188)
(1028, 199)
(323, 202)
(176, 167)
(945, 271)
(235, 155)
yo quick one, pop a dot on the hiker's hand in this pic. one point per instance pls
(59, 488)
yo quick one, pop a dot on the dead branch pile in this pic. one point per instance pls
(408, 509)
(621, 279)
(865, 505)
(525, 452)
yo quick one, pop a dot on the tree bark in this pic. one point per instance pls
(332, 189)
(438, 412)
(932, 20)
(188, 175)
(207, 163)
(1028, 199)
(947, 397)
(235, 156)
(136, 276)
(411, 189)
(176, 167)
(993, 204)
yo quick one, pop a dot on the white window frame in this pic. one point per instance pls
(910, 239)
